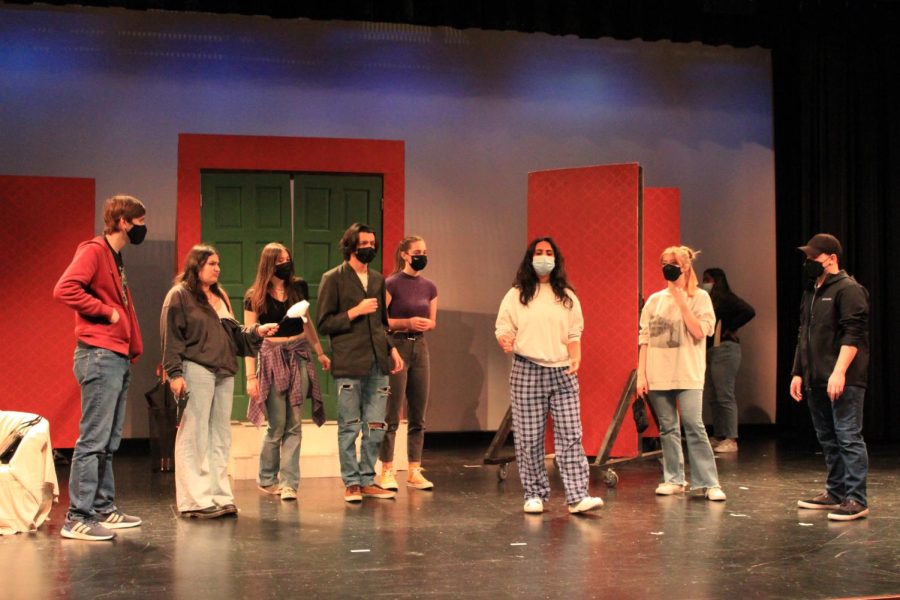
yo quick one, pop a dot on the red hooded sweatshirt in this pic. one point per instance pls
(91, 286)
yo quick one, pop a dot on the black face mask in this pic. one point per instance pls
(418, 262)
(671, 272)
(812, 270)
(283, 271)
(137, 234)
(365, 255)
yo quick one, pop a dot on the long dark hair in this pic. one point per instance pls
(527, 280)
(720, 288)
(190, 276)
(264, 273)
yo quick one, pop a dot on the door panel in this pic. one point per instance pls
(240, 214)
(325, 206)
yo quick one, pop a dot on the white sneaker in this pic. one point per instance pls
(288, 493)
(715, 494)
(668, 489)
(534, 506)
(726, 445)
(585, 504)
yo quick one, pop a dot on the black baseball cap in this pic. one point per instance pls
(822, 243)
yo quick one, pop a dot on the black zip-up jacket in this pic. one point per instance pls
(833, 315)
(354, 344)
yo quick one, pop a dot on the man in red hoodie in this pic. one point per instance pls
(108, 340)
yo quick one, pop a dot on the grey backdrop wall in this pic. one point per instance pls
(105, 93)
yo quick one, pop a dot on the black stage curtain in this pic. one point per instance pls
(837, 170)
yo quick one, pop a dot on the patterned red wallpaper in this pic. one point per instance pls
(42, 220)
(662, 228)
(592, 213)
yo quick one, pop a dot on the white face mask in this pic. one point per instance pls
(543, 265)
(707, 286)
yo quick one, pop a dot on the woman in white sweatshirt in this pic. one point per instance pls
(675, 323)
(540, 322)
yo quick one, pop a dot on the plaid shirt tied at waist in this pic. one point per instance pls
(279, 365)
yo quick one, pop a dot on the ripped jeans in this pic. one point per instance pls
(361, 403)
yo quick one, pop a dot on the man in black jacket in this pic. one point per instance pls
(352, 311)
(831, 364)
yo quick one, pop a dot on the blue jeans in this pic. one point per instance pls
(361, 406)
(722, 366)
(203, 442)
(700, 453)
(279, 458)
(103, 376)
(838, 426)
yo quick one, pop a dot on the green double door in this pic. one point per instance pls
(241, 212)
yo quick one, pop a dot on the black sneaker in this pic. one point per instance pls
(118, 520)
(850, 510)
(230, 509)
(823, 501)
(210, 512)
(90, 531)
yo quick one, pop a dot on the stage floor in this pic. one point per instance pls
(470, 538)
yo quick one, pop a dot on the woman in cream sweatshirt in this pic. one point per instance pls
(540, 322)
(675, 323)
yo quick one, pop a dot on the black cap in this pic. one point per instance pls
(822, 243)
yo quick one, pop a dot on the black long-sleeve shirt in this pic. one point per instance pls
(734, 313)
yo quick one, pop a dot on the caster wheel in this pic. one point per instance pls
(611, 478)
(503, 472)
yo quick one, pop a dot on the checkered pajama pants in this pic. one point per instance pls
(536, 390)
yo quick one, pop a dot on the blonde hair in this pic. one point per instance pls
(685, 257)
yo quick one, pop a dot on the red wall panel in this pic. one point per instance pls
(661, 224)
(592, 213)
(661, 229)
(42, 221)
(269, 153)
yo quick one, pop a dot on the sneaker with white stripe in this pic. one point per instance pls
(118, 520)
(91, 531)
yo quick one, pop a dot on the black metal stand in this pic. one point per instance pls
(493, 455)
(602, 461)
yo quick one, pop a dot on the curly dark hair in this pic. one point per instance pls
(527, 280)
